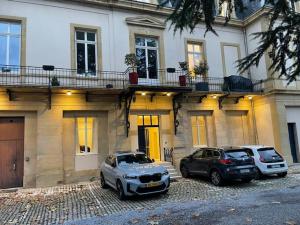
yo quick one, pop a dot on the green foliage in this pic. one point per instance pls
(201, 69)
(131, 60)
(281, 40)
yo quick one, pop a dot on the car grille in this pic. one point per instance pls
(151, 189)
(150, 178)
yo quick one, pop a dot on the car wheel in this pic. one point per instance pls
(247, 180)
(259, 174)
(282, 174)
(216, 178)
(102, 182)
(184, 172)
(120, 190)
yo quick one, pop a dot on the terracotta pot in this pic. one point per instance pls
(133, 78)
(182, 80)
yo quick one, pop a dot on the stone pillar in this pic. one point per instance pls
(49, 170)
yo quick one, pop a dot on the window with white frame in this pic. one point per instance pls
(195, 54)
(147, 54)
(10, 43)
(199, 132)
(86, 52)
(86, 133)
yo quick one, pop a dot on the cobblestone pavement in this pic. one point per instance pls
(60, 204)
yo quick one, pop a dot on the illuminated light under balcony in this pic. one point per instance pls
(214, 96)
(143, 93)
(169, 94)
(69, 93)
(250, 97)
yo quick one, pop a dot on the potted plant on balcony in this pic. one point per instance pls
(132, 61)
(182, 78)
(201, 71)
(54, 81)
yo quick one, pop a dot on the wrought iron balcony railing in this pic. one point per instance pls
(18, 76)
(50, 77)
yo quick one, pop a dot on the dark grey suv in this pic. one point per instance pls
(220, 164)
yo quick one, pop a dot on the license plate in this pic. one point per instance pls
(245, 171)
(276, 166)
(153, 184)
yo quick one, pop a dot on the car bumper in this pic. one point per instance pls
(238, 173)
(268, 170)
(135, 187)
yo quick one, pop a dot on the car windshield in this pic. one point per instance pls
(235, 154)
(268, 153)
(133, 159)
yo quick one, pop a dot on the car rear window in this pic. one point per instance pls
(268, 153)
(236, 154)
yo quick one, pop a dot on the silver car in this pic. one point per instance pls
(133, 173)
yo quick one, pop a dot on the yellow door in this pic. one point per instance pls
(153, 143)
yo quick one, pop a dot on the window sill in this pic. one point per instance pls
(86, 154)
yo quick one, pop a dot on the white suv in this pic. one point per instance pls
(268, 160)
(133, 174)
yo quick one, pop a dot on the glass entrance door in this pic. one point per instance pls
(148, 136)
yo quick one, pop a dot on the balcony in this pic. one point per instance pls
(163, 80)
(59, 78)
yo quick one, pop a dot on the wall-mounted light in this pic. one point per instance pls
(69, 93)
(214, 96)
(169, 94)
(250, 97)
(143, 93)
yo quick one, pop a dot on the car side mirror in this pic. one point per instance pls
(114, 164)
(152, 160)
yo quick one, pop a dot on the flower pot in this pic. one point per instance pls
(182, 80)
(133, 78)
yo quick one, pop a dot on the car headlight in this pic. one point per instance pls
(165, 173)
(129, 177)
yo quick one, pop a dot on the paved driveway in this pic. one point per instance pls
(60, 204)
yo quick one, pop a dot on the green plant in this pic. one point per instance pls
(54, 81)
(131, 60)
(183, 65)
(201, 69)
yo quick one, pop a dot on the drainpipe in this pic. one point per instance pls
(246, 50)
(254, 122)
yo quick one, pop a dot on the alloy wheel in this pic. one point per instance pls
(216, 178)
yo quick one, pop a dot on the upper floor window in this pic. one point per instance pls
(10, 43)
(147, 54)
(86, 52)
(195, 54)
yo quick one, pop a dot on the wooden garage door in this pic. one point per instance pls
(11, 152)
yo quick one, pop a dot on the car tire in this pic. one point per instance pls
(184, 172)
(102, 181)
(165, 192)
(216, 178)
(120, 190)
(282, 174)
(259, 174)
(247, 180)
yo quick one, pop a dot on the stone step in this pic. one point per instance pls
(174, 175)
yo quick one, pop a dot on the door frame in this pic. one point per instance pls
(159, 133)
